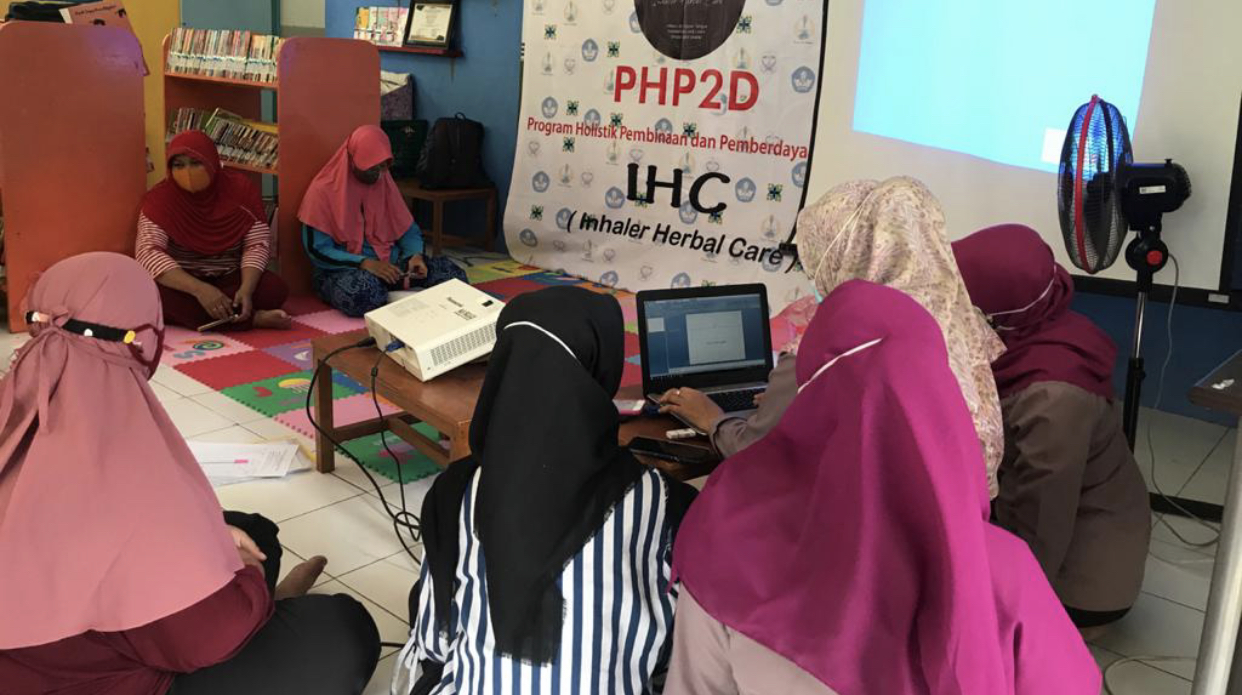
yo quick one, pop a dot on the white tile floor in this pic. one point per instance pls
(341, 517)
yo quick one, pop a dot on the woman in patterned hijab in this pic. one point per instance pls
(893, 233)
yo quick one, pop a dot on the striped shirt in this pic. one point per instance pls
(159, 254)
(618, 612)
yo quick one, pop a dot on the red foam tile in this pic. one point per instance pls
(632, 346)
(304, 304)
(508, 288)
(234, 370)
(632, 375)
(265, 337)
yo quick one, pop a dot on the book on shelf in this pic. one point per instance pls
(234, 54)
(239, 140)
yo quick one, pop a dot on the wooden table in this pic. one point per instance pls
(413, 191)
(446, 403)
(1219, 647)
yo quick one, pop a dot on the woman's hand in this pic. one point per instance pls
(214, 302)
(383, 270)
(417, 267)
(243, 303)
(693, 407)
(250, 554)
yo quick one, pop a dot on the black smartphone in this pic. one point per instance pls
(671, 451)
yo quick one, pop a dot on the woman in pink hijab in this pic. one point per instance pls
(118, 573)
(848, 551)
(359, 234)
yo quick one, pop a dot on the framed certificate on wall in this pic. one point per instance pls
(430, 24)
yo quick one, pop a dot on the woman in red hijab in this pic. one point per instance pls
(1069, 485)
(358, 232)
(119, 573)
(203, 236)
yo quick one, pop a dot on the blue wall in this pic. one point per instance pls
(483, 84)
(1202, 339)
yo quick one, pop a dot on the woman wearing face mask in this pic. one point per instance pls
(119, 573)
(1069, 484)
(890, 233)
(359, 233)
(203, 236)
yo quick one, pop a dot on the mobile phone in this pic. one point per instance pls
(671, 451)
(218, 322)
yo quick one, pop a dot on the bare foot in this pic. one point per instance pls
(301, 578)
(273, 318)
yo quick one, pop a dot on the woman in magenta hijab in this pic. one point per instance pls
(848, 552)
(1069, 485)
(361, 237)
(119, 573)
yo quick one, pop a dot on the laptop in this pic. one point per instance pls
(714, 339)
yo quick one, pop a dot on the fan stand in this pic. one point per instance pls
(1147, 254)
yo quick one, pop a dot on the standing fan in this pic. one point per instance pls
(1101, 194)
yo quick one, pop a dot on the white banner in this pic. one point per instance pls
(665, 143)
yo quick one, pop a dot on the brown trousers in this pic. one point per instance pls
(712, 659)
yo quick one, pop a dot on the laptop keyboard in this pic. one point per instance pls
(734, 401)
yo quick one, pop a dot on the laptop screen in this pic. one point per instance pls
(693, 335)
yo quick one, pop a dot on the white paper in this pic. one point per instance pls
(224, 463)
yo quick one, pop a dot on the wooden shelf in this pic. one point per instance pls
(424, 50)
(222, 80)
(248, 167)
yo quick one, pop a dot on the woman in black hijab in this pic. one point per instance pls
(547, 563)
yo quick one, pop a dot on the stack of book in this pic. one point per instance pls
(239, 140)
(227, 53)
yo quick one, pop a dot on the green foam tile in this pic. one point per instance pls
(414, 465)
(280, 394)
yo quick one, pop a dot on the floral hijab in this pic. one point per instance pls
(893, 233)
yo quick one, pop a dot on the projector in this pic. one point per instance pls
(438, 329)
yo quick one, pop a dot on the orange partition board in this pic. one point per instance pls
(328, 87)
(74, 157)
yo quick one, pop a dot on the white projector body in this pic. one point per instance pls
(442, 328)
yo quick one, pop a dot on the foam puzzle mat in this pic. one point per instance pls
(269, 371)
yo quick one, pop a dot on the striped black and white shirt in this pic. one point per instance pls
(618, 612)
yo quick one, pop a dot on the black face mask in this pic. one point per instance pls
(128, 337)
(368, 176)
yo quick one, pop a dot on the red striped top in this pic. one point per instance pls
(160, 254)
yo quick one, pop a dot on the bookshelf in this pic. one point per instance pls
(324, 89)
(222, 80)
(250, 168)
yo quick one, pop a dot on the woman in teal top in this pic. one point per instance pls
(359, 233)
